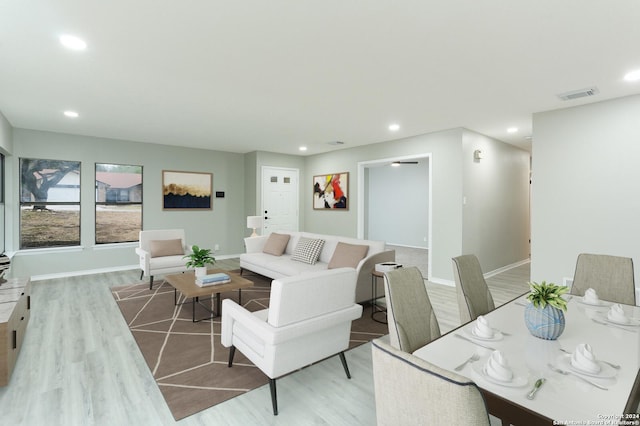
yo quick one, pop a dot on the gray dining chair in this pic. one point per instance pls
(474, 297)
(412, 322)
(610, 276)
(411, 391)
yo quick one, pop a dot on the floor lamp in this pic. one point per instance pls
(254, 222)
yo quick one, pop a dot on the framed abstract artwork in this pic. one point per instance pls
(186, 190)
(331, 192)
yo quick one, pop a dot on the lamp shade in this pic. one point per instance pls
(254, 222)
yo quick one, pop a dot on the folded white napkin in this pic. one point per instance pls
(616, 314)
(498, 368)
(482, 328)
(590, 296)
(584, 359)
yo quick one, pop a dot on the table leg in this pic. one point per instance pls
(193, 309)
(218, 305)
(240, 296)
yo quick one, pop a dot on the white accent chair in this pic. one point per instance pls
(411, 391)
(161, 254)
(308, 319)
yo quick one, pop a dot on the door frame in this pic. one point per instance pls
(362, 165)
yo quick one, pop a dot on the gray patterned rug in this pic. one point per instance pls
(187, 359)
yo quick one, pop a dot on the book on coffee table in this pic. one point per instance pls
(213, 279)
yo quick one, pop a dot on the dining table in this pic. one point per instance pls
(608, 397)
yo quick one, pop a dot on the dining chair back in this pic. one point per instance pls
(474, 297)
(412, 322)
(610, 276)
(411, 391)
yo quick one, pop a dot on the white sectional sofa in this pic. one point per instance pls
(275, 267)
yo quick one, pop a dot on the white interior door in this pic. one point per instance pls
(280, 188)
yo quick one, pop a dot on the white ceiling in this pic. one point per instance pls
(251, 75)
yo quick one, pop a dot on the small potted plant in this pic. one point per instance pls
(544, 316)
(199, 258)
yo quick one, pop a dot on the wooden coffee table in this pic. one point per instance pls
(185, 283)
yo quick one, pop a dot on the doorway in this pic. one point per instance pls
(394, 204)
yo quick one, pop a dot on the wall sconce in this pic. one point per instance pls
(254, 222)
(477, 155)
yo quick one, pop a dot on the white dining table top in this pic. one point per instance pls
(561, 398)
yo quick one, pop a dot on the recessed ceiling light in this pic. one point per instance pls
(394, 127)
(71, 114)
(303, 148)
(632, 76)
(72, 42)
(395, 164)
(512, 130)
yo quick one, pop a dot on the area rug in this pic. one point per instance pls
(187, 359)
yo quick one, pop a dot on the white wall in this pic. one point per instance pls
(397, 204)
(586, 186)
(224, 225)
(446, 154)
(495, 224)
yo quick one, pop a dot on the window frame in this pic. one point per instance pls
(116, 203)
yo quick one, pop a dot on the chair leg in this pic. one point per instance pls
(232, 352)
(151, 282)
(344, 364)
(274, 398)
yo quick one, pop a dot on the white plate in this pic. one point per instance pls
(606, 371)
(468, 330)
(516, 382)
(633, 322)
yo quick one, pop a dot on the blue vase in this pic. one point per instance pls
(545, 323)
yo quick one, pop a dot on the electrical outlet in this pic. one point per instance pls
(216, 247)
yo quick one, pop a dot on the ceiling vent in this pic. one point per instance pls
(576, 94)
(336, 143)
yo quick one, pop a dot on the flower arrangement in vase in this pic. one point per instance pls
(544, 316)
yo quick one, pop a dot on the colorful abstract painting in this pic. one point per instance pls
(331, 191)
(186, 190)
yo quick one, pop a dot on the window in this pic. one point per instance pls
(49, 203)
(118, 203)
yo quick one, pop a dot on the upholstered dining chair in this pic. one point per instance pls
(474, 297)
(412, 322)
(308, 319)
(411, 391)
(610, 276)
(161, 252)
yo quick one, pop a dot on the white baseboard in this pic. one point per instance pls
(104, 270)
(506, 268)
(452, 283)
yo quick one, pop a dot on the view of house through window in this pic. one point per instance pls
(49, 203)
(118, 203)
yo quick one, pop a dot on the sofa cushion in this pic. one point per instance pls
(348, 255)
(307, 250)
(276, 244)
(161, 248)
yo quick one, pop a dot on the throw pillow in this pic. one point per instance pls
(159, 248)
(308, 250)
(276, 244)
(348, 255)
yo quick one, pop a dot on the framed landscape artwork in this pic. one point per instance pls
(186, 190)
(331, 192)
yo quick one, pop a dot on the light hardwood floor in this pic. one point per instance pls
(79, 365)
